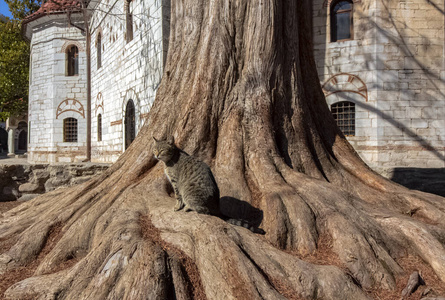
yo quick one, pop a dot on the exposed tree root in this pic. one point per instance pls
(121, 244)
(235, 96)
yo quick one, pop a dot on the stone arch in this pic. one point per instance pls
(68, 44)
(132, 96)
(99, 105)
(70, 105)
(345, 83)
(99, 32)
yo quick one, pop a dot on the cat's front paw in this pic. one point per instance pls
(179, 205)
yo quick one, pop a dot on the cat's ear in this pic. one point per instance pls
(171, 140)
(154, 139)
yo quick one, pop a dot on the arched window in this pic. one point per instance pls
(130, 124)
(70, 130)
(129, 21)
(344, 114)
(72, 61)
(99, 50)
(341, 20)
(99, 128)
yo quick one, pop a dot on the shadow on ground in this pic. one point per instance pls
(430, 180)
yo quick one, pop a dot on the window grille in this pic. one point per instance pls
(341, 21)
(344, 114)
(72, 61)
(70, 130)
(99, 128)
(130, 124)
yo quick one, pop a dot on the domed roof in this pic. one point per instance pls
(54, 7)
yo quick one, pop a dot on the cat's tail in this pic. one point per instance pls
(246, 224)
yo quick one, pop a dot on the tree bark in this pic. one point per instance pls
(242, 82)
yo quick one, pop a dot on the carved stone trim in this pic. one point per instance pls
(70, 43)
(354, 83)
(70, 105)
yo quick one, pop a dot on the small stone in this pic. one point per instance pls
(79, 180)
(28, 197)
(29, 188)
(39, 176)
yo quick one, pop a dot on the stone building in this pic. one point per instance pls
(57, 84)
(381, 66)
(128, 46)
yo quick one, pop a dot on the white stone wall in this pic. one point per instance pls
(130, 70)
(411, 94)
(53, 96)
(393, 71)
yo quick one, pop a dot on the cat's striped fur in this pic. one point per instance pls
(193, 182)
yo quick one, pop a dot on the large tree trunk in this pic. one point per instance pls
(240, 91)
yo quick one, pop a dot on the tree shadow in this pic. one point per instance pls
(398, 60)
(426, 145)
(237, 209)
(430, 180)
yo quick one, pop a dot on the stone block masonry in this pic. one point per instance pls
(130, 71)
(53, 95)
(24, 181)
(397, 51)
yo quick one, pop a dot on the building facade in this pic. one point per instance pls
(57, 88)
(380, 63)
(382, 69)
(128, 48)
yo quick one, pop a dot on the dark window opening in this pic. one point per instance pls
(99, 128)
(3, 140)
(129, 21)
(23, 140)
(341, 21)
(72, 55)
(99, 51)
(344, 114)
(70, 130)
(130, 124)
(23, 136)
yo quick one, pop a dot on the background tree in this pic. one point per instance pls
(14, 69)
(240, 91)
(22, 8)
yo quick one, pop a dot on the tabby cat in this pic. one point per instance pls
(193, 182)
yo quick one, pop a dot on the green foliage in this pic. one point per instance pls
(14, 69)
(22, 8)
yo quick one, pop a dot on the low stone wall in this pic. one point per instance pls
(24, 181)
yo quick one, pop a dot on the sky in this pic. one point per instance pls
(4, 9)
